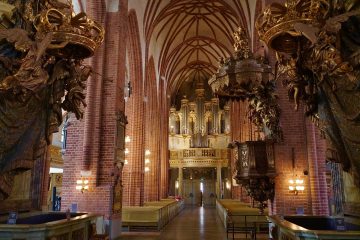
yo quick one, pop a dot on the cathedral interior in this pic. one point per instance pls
(179, 119)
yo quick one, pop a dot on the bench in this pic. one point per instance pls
(239, 217)
(153, 216)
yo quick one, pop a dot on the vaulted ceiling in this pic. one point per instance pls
(187, 37)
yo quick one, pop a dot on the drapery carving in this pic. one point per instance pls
(318, 45)
(42, 46)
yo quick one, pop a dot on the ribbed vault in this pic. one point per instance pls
(187, 37)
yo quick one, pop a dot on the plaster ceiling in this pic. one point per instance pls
(187, 37)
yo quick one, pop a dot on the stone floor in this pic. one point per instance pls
(191, 224)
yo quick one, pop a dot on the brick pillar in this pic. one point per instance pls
(240, 131)
(92, 143)
(164, 140)
(317, 170)
(83, 138)
(292, 150)
(152, 136)
(133, 175)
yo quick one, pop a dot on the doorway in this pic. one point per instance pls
(199, 186)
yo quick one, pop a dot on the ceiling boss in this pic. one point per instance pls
(42, 45)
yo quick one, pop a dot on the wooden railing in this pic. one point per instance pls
(238, 218)
(250, 225)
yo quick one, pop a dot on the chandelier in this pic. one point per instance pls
(245, 77)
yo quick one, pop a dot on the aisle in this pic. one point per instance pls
(195, 223)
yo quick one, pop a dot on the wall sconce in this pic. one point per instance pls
(147, 169)
(127, 139)
(147, 152)
(296, 186)
(82, 185)
(147, 161)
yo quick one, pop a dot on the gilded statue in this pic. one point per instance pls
(240, 38)
(319, 60)
(40, 76)
(292, 80)
(241, 43)
(245, 76)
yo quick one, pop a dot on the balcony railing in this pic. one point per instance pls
(198, 153)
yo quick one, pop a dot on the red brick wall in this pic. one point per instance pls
(300, 135)
(164, 138)
(317, 170)
(91, 141)
(133, 173)
(152, 136)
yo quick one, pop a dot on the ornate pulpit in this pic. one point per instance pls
(255, 167)
(246, 77)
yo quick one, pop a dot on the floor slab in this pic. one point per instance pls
(192, 223)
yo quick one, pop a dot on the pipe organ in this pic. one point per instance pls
(201, 123)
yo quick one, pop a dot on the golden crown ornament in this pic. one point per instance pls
(276, 25)
(82, 34)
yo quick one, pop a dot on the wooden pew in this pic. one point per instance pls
(152, 216)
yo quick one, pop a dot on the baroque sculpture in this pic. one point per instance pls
(318, 57)
(246, 77)
(42, 45)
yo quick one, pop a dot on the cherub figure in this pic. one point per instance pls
(32, 74)
(292, 80)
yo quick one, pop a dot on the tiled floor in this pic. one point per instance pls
(191, 224)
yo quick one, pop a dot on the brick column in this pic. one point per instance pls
(93, 143)
(317, 170)
(133, 173)
(152, 135)
(240, 131)
(164, 140)
(292, 150)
